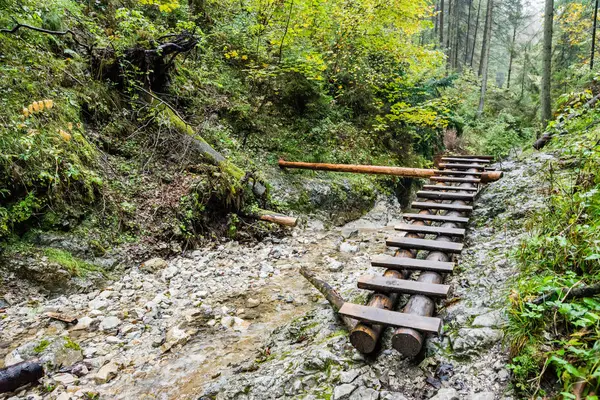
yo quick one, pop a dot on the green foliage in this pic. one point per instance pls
(562, 252)
(41, 346)
(74, 265)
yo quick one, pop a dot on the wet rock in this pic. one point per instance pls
(240, 325)
(83, 323)
(106, 373)
(470, 341)
(169, 272)
(333, 265)
(483, 396)
(491, 319)
(109, 323)
(346, 247)
(446, 394)
(155, 264)
(343, 391)
(384, 395)
(80, 370)
(364, 393)
(252, 303)
(349, 376)
(64, 379)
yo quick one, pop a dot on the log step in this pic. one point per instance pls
(380, 316)
(461, 166)
(400, 263)
(452, 179)
(431, 230)
(427, 205)
(470, 156)
(450, 172)
(394, 285)
(424, 244)
(445, 196)
(465, 160)
(438, 218)
(448, 187)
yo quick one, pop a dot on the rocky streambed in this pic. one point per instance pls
(238, 321)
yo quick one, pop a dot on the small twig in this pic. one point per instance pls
(571, 293)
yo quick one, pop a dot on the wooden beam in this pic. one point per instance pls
(451, 179)
(461, 166)
(445, 196)
(470, 156)
(431, 230)
(424, 244)
(391, 318)
(451, 172)
(440, 206)
(465, 160)
(411, 264)
(436, 218)
(449, 187)
(404, 286)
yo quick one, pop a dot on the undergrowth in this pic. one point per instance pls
(555, 345)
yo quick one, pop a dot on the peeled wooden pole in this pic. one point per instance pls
(409, 342)
(271, 216)
(487, 176)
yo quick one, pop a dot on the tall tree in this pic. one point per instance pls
(511, 55)
(441, 28)
(546, 113)
(594, 35)
(470, 5)
(475, 35)
(485, 55)
(515, 19)
(486, 39)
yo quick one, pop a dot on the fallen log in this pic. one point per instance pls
(487, 176)
(546, 136)
(331, 295)
(271, 216)
(21, 374)
(576, 293)
(213, 156)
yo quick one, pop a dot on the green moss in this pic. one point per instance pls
(70, 344)
(74, 265)
(42, 345)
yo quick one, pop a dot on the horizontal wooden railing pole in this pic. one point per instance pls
(487, 176)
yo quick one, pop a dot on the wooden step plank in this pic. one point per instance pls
(436, 218)
(380, 316)
(424, 244)
(465, 160)
(470, 156)
(431, 230)
(450, 172)
(445, 195)
(452, 179)
(428, 205)
(449, 187)
(400, 263)
(461, 166)
(394, 285)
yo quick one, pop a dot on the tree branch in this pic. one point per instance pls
(42, 30)
(582, 291)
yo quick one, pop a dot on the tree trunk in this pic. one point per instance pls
(470, 4)
(547, 64)
(455, 40)
(441, 23)
(594, 35)
(449, 33)
(485, 55)
(512, 55)
(475, 35)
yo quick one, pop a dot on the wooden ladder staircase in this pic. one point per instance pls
(447, 202)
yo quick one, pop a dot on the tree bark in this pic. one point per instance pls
(576, 293)
(441, 23)
(331, 295)
(475, 35)
(594, 35)
(470, 5)
(546, 104)
(17, 375)
(487, 30)
(485, 56)
(512, 53)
